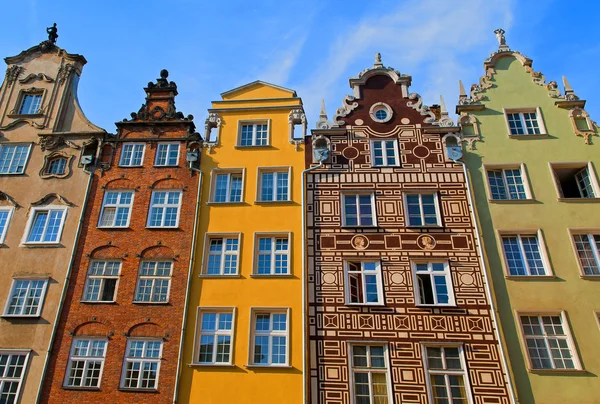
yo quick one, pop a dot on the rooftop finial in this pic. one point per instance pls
(443, 110)
(569, 92)
(501, 39)
(52, 34)
(378, 60)
(323, 113)
(461, 90)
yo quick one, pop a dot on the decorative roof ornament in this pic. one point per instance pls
(502, 46)
(569, 92)
(323, 122)
(378, 64)
(52, 34)
(445, 120)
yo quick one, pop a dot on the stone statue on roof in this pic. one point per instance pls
(52, 33)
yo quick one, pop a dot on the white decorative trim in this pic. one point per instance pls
(297, 117)
(348, 105)
(213, 121)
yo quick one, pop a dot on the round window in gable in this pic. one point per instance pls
(381, 112)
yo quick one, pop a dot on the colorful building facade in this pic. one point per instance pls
(46, 145)
(118, 338)
(399, 307)
(244, 333)
(533, 159)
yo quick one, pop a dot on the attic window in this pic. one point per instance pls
(381, 112)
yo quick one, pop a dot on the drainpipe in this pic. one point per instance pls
(189, 284)
(304, 298)
(488, 288)
(66, 285)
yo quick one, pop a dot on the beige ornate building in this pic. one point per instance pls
(46, 146)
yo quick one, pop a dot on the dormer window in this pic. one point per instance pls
(57, 166)
(31, 103)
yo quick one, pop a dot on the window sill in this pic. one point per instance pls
(359, 226)
(273, 202)
(140, 166)
(41, 245)
(511, 201)
(530, 277)
(425, 226)
(162, 227)
(36, 115)
(211, 365)
(525, 136)
(270, 276)
(579, 200)
(557, 371)
(262, 146)
(364, 304)
(212, 203)
(96, 302)
(16, 316)
(268, 366)
(81, 388)
(166, 166)
(13, 173)
(113, 227)
(207, 276)
(437, 306)
(590, 277)
(139, 302)
(132, 390)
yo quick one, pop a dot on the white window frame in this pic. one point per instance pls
(357, 195)
(370, 370)
(538, 114)
(575, 165)
(378, 277)
(27, 297)
(164, 207)
(384, 151)
(4, 230)
(116, 206)
(4, 145)
(211, 236)
(254, 311)
(446, 372)
(568, 337)
(86, 359)
(254, 123)
(447, 273)
(5, 379)
(438, 213)
(274, 252)
(168, 145)
(276, 171)
(588, 234)
(52, 161)
(142, 360)
(123, 163)
(153, 279)
(32, 93)
(229, 172)
(216, 333)
(102, 282)
(32, 215)
(542, 250)
(503, 168)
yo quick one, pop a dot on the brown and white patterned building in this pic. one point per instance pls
(398, 303)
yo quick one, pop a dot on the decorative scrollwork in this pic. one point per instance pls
(348, 105)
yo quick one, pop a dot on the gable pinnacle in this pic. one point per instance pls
(443, 110)
(323, 113)
(501, 39)
(461, 90)
(378, 62)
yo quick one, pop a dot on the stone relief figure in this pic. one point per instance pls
(52, 33)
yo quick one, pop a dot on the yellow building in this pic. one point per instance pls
(533, 156)
(244, 337)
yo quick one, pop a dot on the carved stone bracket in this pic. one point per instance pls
(9, 199)
(297, 117)
(52, 142)
(212, 122)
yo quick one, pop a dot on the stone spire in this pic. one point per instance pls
(569, 92)
(323, 122)
(443, 110)
(461, 90)
(323, 113)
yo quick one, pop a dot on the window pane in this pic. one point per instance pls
(512, 252)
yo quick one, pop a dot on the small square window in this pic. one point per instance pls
(86, 363)
(422, 210)
(26, 298)
(272, 255)
(270, 338)
(142, 364)
(116, 209)
(433, 284)
(254, 134)
(5, 215)
(548, 341)
(370, 373)
(12, 372)
(364, 284)
(132, 154)
(274, 185)
(507, 183)
(13, 158)
(30, 103)
(359, 209)
(524, 255)
(101, 282)
(575, 180)
(167, 154)
(587, 247)
(154, 282)
(447, 379)
(164, 209)
(385, 152)
(227, 186)
(222, 254)
(525, 121)
(45, 225)
(215, 337)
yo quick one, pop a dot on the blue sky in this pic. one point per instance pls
(310, 46)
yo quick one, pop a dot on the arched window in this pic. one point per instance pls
(57, 166)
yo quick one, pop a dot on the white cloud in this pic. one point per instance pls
(283, 59)
(430, 40)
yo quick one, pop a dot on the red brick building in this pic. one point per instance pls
(118, 338)
(399, 307)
